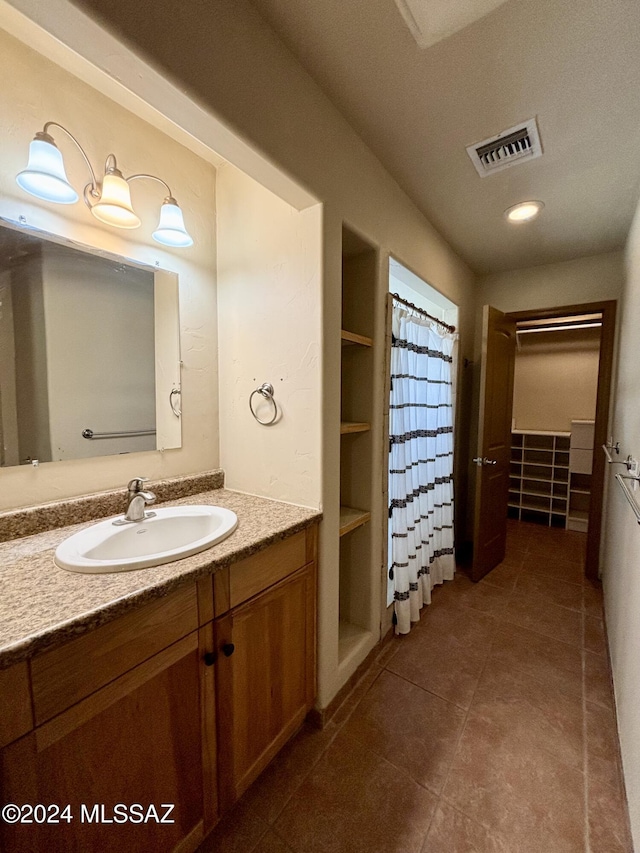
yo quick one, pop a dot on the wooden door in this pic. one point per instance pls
(494, 441)
(135, 741)
(265, 678)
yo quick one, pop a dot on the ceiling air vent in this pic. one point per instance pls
(509, 148)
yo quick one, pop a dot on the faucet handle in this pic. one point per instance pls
(135, 485)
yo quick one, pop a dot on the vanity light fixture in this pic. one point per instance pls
(525, 211)
(108, 200)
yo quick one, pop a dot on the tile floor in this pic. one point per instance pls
(488, 729)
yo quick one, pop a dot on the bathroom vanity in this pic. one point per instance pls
(171, 686)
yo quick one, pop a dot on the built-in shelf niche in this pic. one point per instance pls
(347, 427)
(350, 339)
(359, 275)
(351, 518)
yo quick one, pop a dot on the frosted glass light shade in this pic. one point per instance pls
(114, 206)
(171, 230)
(45, 176)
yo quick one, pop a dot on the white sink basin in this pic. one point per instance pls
(173, 533)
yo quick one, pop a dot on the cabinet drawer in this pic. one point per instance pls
(582, 435)
(580, 461)
(253, 574)
(62, 677)
(16, 718)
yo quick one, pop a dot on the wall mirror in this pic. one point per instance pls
(89, 352)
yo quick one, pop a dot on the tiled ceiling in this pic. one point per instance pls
(573, 65)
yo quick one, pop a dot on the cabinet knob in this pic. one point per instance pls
(228, 649)
(209, 658)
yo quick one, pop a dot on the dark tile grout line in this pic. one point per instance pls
(585, 746)
(441, 797)
(614, 710)
(467, 710)
(583, 651)
(270, 826)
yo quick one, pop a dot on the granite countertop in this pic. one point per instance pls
(42, 606)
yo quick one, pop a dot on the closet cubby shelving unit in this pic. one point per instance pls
(539, 477)
(359, 270)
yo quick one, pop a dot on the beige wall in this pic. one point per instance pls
(590, 279)
(556, 379)
(621, 577)
(40, 91)
(249, 91)
(269, 299)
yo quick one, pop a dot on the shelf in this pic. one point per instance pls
(541, 465)
(540, 432)
(351, 518)
(349, 338)
(350, 638)
(538, 475)
(347, 427)
(580, 491)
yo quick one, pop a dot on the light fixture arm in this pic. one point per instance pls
(153, 178)
(48, 138)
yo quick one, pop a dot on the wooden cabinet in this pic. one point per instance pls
(164, 705)
(135, 741)
(65, 675)
(16, 715)
(265, 678)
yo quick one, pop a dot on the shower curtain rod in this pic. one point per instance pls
(424, 313)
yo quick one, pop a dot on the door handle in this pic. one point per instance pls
(480, 461)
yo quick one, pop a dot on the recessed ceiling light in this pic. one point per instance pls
(524, 212)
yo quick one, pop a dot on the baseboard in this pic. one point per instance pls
(319, 717)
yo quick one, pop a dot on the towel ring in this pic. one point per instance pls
(266, 391)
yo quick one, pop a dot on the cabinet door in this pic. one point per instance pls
(265, 678)
(135, 741)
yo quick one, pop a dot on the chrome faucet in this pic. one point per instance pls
(137, 499)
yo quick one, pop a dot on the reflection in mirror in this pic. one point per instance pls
(89, 352)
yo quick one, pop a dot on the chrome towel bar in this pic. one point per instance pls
(90, 434)
(629, 494)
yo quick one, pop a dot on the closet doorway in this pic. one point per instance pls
(555, 468)
(554, 405)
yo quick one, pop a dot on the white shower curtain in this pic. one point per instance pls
(420, 462)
